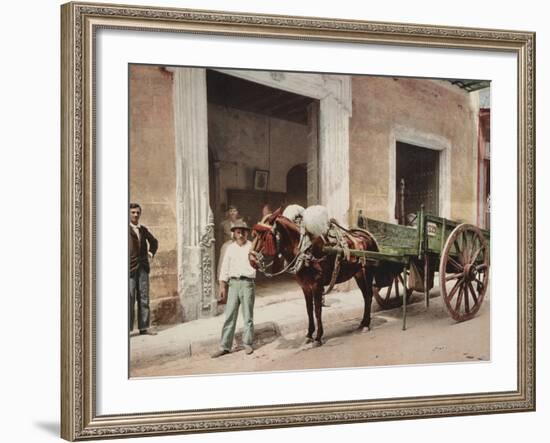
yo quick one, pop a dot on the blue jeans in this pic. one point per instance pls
(240, 293)
(139, 285)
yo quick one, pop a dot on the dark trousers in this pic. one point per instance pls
(139, 286)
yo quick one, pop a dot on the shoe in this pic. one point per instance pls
(148, 332)
(248, 349)
(219, 353)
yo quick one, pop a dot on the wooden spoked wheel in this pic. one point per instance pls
(392, 296)
(464, 271)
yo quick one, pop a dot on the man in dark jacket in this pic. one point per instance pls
(142, 246)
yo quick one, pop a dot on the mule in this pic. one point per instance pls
(276, 234)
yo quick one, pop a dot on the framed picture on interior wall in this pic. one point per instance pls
(261, 179)
(395, 122)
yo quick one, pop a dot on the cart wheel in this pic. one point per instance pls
(391, 296)
(464, 268)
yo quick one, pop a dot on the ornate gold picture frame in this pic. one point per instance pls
(79, 397)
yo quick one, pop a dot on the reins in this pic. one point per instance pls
(265, 228)
(267, 231)
(285, 269)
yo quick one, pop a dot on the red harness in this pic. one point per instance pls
(268, 239)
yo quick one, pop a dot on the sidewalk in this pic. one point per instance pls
(274, 316)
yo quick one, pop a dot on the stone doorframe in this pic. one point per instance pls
(421, 139)
(195, 227)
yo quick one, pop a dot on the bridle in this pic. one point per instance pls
(269, 232)
(271, 240)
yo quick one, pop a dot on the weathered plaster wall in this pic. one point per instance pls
(245, 141)
(427, 109)
(242, 142)
(153, 180)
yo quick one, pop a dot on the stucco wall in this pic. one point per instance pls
(244, 141)
(153, 180)
(426, 111)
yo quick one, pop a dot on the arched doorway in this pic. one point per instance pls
(296, 185)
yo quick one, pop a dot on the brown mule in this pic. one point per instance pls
(276, 234)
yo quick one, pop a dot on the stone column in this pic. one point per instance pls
(313, 154)
(334, 158)
(195, 234)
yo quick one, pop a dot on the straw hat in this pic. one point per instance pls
(240, 224)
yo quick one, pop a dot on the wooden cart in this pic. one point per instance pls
(409, 257)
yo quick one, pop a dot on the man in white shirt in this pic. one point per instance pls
(232, 218)
(237, 288)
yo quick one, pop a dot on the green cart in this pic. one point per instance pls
(409, 256)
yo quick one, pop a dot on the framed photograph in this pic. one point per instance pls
(261, 180)
(373, 261)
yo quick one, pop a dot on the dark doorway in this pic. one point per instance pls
(253, 128)
(296, 185)
(484, 169)
(419, 169)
